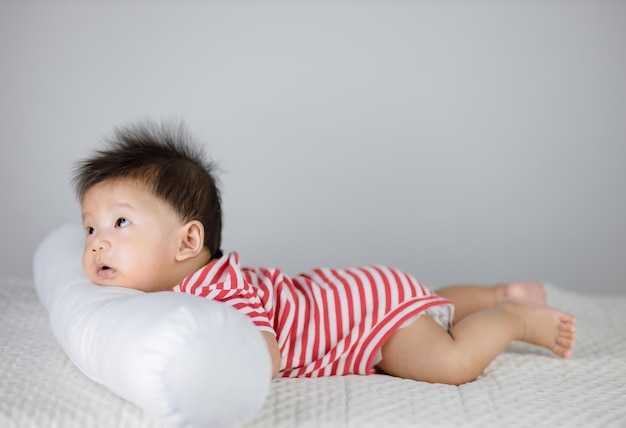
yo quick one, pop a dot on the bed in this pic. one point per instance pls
(525, 386)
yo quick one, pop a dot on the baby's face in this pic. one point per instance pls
(131, 236)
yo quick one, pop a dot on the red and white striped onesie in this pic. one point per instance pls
(326, 321)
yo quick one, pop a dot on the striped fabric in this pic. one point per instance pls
(326, 321)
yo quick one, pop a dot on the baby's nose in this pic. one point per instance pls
(101, 246)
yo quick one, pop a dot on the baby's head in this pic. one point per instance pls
(151, 208)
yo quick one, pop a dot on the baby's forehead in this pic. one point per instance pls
(123, 192)
(131, 185)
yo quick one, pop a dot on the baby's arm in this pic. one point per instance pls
(272, 347)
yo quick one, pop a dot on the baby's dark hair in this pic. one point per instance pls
(165, 158)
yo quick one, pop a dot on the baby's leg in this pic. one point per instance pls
(468, 299)
(424, 351)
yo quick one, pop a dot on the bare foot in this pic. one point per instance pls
(530, 291)
(545, 326)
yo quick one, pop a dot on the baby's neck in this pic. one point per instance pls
(190, 266)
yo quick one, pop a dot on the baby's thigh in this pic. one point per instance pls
(418, 351)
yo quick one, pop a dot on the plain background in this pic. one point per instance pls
(461, 141)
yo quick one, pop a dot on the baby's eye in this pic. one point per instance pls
(122, 222)
(90, 230)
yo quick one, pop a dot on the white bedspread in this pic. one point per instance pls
(524, 387)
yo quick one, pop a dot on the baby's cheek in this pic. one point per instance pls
(87, 265)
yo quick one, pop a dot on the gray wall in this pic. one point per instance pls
(461, 141)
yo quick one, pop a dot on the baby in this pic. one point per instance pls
(152, 218)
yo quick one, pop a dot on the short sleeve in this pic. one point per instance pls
(222, 280)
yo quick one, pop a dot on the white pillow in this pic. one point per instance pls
(186, 360)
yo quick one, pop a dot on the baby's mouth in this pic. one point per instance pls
(105, 271)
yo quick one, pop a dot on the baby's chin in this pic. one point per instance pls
(104, 282)
(99, 282)
(109, 282)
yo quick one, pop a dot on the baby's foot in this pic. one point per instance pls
(530, 291)
(545, 326)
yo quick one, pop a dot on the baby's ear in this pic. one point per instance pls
(191, 240)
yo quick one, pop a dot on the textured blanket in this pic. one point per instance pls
(525, 386)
